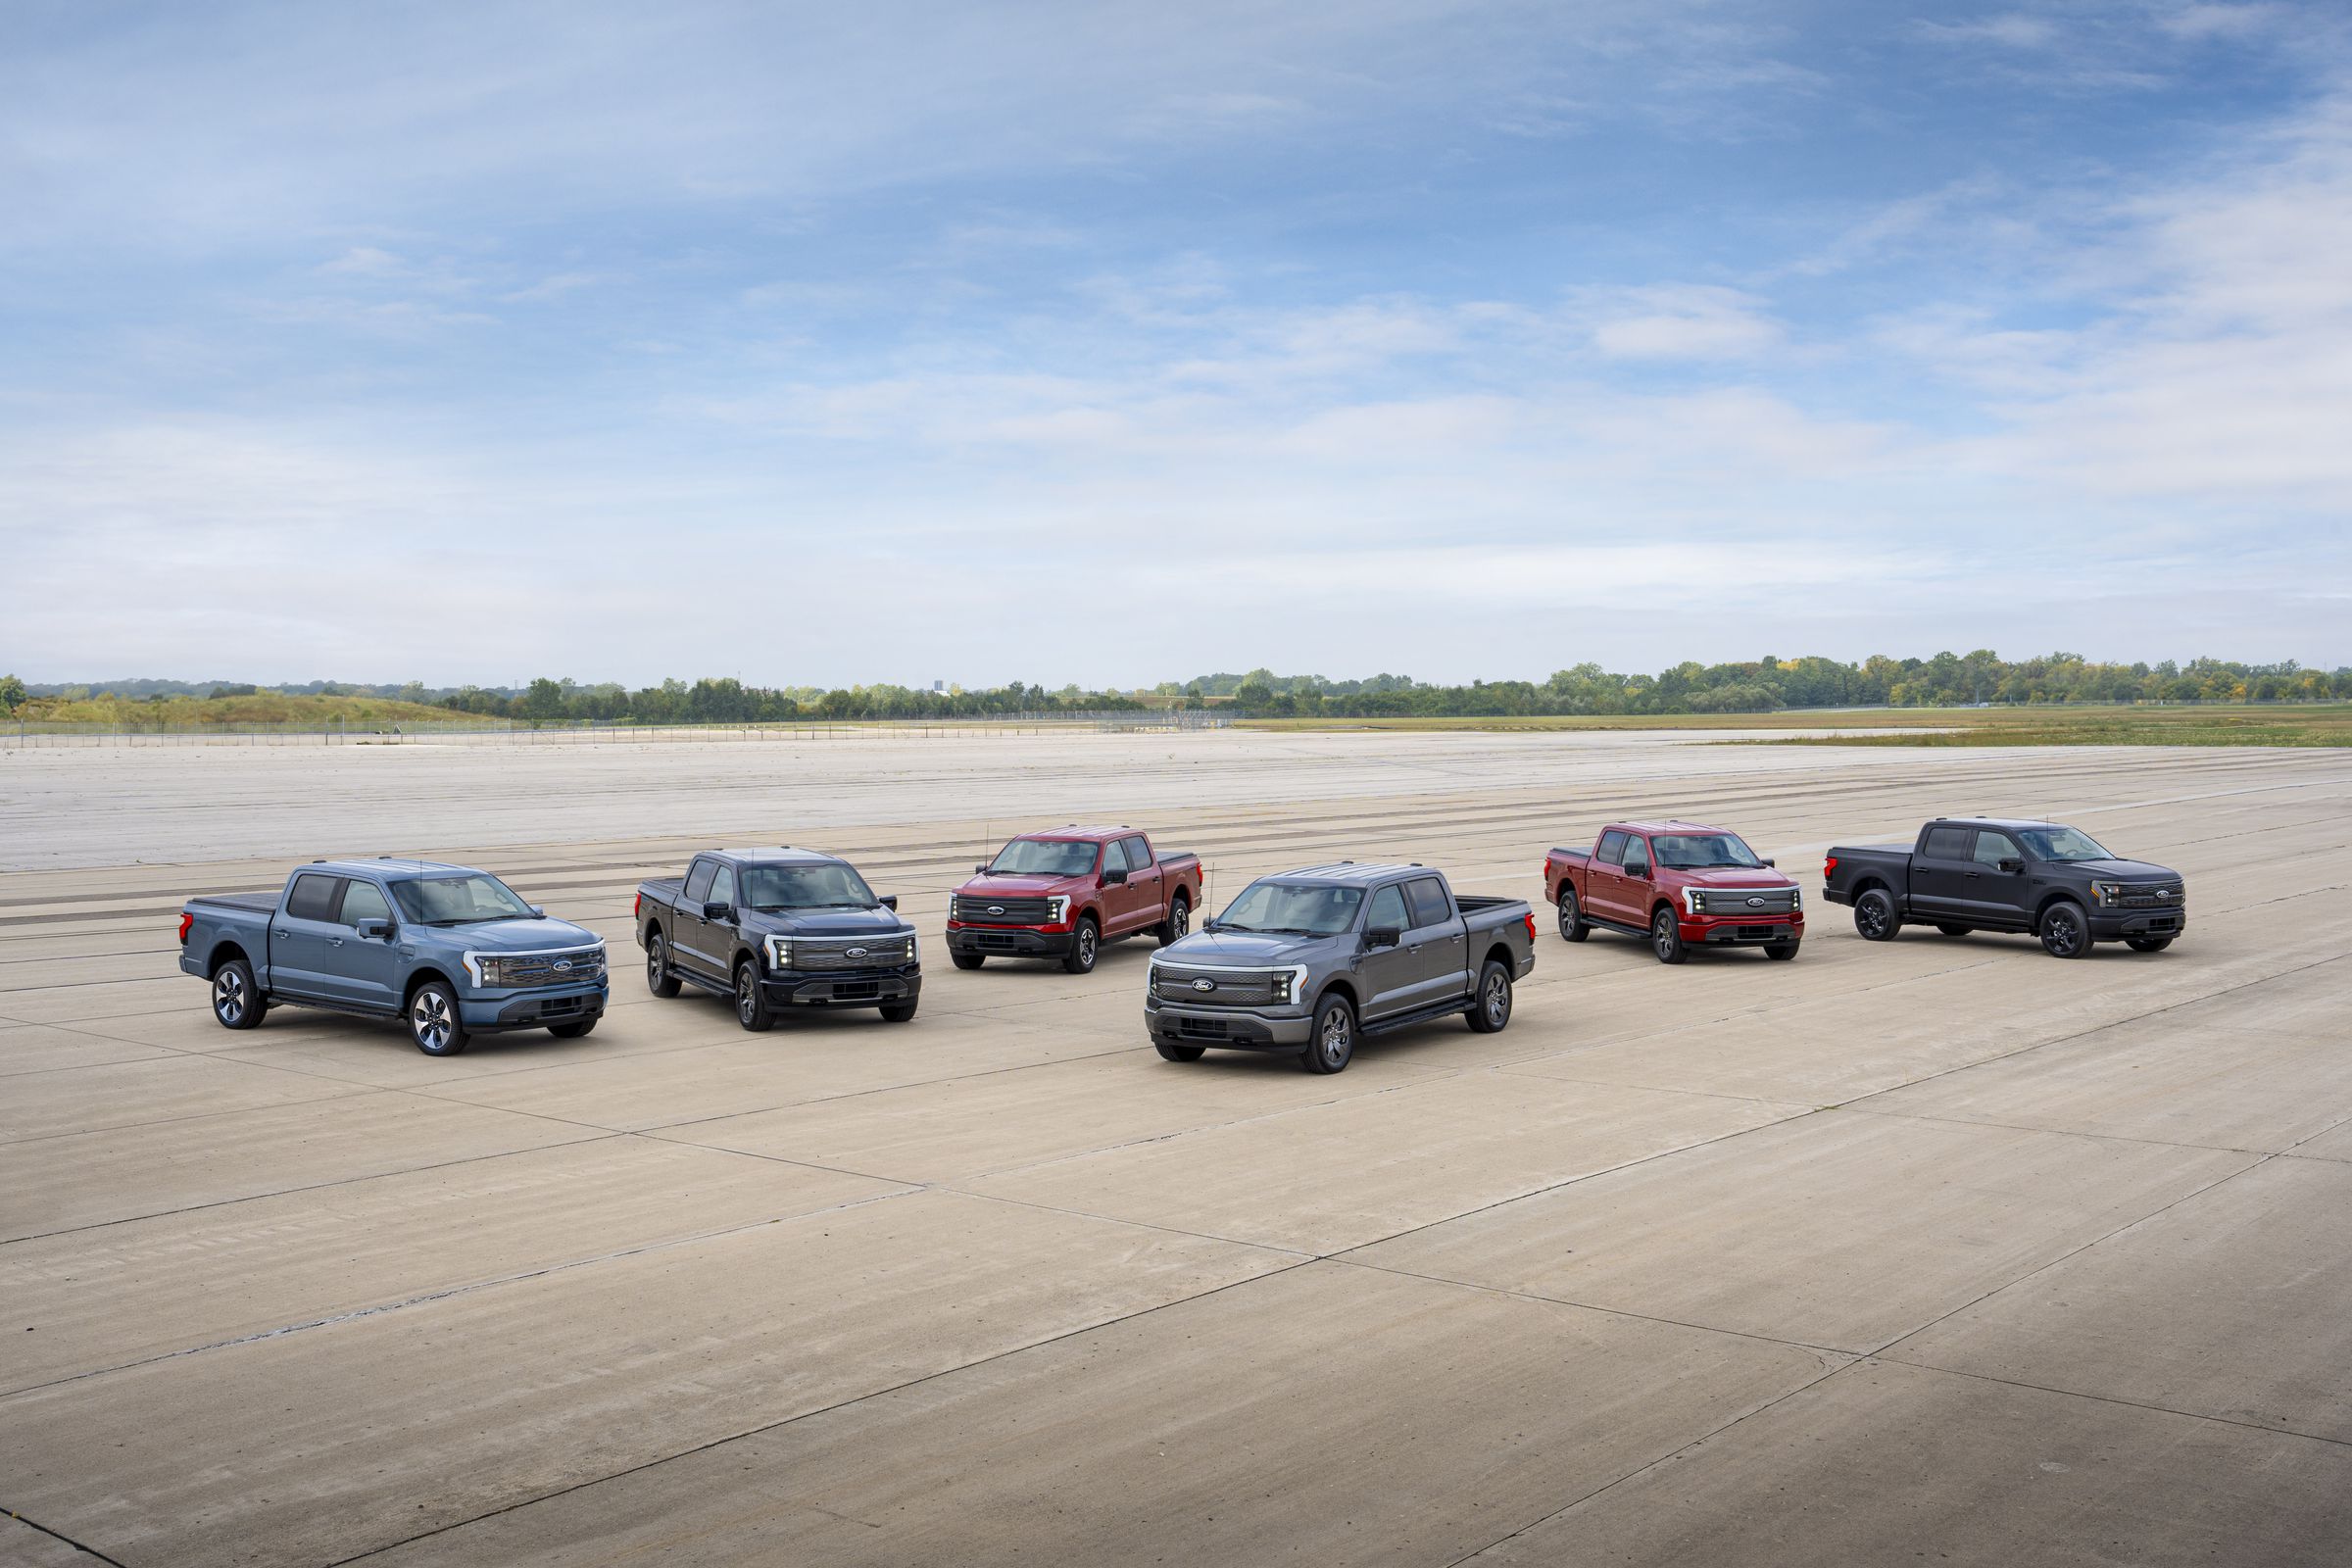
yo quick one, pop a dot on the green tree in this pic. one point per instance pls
(12, 694)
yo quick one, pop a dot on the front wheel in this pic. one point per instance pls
(1179, 921)
(1331, 1045)
(2066, 931)
(1086, 946)
(968, 960)
(1666, 937)
(1169, 1051)
(1783, 950)
(1874, 916)
(1490, 1008)
(434, 1022)
(898, 1011)
(2147, 943)
(751, 999)
(1572, 917)
(236, 1000)
(658, 978)
(573, 1030)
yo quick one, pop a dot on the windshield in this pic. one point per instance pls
(1044, 858)
(459, 901)
(2062, 844)
(1293, 910)
(1692, 852)
(806, 887)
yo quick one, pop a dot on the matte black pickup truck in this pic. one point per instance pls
(778, 928)
(1983, 873)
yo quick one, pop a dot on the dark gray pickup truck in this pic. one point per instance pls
(776, 929)
(1306, 961)
(1983, 873)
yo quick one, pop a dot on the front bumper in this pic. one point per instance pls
(1012, 942)
(2114, 925)
(1716, 930)
(843, 988)
(1234, 1028)
(533, 1007)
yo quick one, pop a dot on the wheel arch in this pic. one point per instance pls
(1345, 988)
(222, 951)
(419, 977)
(1500, 953)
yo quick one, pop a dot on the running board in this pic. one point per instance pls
(1443, 1009)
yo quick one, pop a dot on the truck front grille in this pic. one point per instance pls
(971, 909)
(2166, 895)
(851, 953)
(579, 965)
(1744, 901)
(1224, 988)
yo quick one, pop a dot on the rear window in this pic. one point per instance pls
(313, 896)
(1613, 847)
(698, 880)
(1947, 844)
(1428, 900)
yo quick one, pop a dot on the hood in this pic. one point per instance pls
(1242, 947)
(2125, 870)
(1737, 876)
(826, 922)
(517, 936)
(1027, 885)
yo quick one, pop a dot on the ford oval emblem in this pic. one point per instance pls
(855, 953)
(1205, 985)
(1755, 904)
(563, 966)
(995, 908)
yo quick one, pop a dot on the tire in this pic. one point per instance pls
(434, 1022)
(1086, 946)
(658, 978)
(1874, 919)
(236, 1001)
(751, 999)
(1572, 917)
(1666, 937)
(1179, 923)
(577, 1029)
(1955, 930)
(1783, 950)
(1169, 1051)
(898, 1011)
(2065, 930)
(1490, 1006)
(1331, 1044)
(2147, 943)
(968, 960)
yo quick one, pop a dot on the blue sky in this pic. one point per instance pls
(1118, 342)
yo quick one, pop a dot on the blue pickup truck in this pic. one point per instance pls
(447, 949)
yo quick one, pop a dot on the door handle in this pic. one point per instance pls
(282, 935)
(334, 941)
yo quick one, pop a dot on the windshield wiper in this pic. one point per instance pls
(1236, 925)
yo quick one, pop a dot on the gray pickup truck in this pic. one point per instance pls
(447, 949)
(1308, 960)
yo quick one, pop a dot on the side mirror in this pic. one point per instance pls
(1383, 936)
(1209, 924)
(1769, 861)
(1638, 874)
(890, 900)
(981, 869)
(2013, 865)
(375, 930)
(537, 912)
(1113, 878)
(716, 912)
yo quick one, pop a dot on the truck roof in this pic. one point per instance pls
(1349, 872)
(777, 854)
(1997, 821)
(1079, 830)
(391, 867)
(1671, 825)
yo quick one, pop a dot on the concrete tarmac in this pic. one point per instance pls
(1939, 1250)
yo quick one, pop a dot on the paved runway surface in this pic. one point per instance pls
(1940, 1251)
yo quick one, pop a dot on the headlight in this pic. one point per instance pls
(1695, 899)
(2106, 893)
(487, 970)
(1057, 908)
(1796, 897)
(952, 914)
(780, 952)
(1283, 986)
(915, 947)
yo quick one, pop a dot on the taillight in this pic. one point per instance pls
(185, 921)
(1827, 865)
(1531, 926)
(637, 908)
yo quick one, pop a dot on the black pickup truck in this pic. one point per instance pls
(778, 928)
(1983, 873)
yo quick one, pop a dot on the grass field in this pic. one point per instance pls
(2266, 724)
(259, 709)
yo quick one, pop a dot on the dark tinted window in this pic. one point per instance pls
(1387, 910)
(313, 896)
(364, 900)
(698, 880)
(1427, 896)
(1613, 847)
(1946, 844)
(1114, 855)
(1139, 854)
(1636, 856)
(723, 886)
(1993, 848)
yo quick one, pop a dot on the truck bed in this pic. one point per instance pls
(1485, 903)
(253, 903)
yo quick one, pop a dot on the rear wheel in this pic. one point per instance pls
(1874, 916)
(1331, 1045)
(1572, 917)
(573, 1030)
(2066, 931)
(1666, 937)
(1179, 921)
(898, 1011)
(1490, 1008)
(1783, 950)
(658, 978)
(1086, 946)
(1955, 930)
(2147, 943)
(751, 999)
(434, 1022)
(236, 1000)
(968, 960)
(1169, 1051)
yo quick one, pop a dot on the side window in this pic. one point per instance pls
(364, 900)
(1994, 848)
(1114, 855)
(1613, 847)
(1388, 909)
(1426, 897)
(722, 887)
(1139, 854)
(313, 896)
(698, 880)
(1946, 843)
(1637, 856)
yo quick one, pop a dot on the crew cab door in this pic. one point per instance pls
(1998, 896)
(1390, 972)
(1437, 943)
(1146, 883)
(690, 943)
(1601, 878)
(1944, 873)
(1116, 898)
(300, 935)
(367, 969)
(1635, 889)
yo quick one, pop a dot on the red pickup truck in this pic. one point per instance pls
(1064, 891)
(1679, 884)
